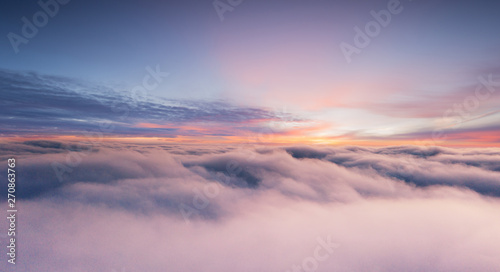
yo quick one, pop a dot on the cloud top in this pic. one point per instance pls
(231, 208)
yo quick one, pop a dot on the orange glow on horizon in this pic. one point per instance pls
(270, 139)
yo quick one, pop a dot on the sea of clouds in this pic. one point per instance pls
(164, 207)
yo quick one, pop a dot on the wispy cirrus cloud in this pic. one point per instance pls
(35, 104)
(41, 105)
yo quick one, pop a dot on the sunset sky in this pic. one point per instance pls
(269, 67)
(250, 135)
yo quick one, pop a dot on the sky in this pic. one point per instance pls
(202, 71)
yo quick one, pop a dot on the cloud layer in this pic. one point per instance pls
(133, 207)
